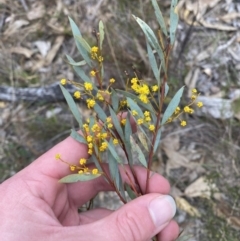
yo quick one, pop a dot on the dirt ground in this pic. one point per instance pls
(202, 160)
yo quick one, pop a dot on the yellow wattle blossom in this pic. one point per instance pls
(146, 113)
(72, 168)
(89, 138)
(134, 80)
(200, 104)
(170, 119)
(85, 169)
(191, 111)
(147, 119)
(95, 171)
(93, 73)
(103, 146)
(63, 81)
(151, 127)
(134, 113)
(99, 96)
(112, 80)
(123, 103)
(108, 119)
(123, 122)
(143, 98)
(90, 145)
(82, 161)
(90, 103)
(104, 135)
(95, 128)
(86, 127)
(183, 123)
(140, 121)
(194, 91)
(94, 49)
(186, 109)
(88, 86)
(80, 172)
(57, 156)
(94, 52)
(193, 97)
(177, 110)
(100, 59)
(154, 88)
(77, 94)
(110, 125)
(115, 141)
(90, 151)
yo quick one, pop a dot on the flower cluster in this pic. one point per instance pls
(142, 89)
(95, 54)
(97, 135)
(81, 168)
(186, 109)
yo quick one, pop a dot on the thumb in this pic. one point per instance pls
(138, 220)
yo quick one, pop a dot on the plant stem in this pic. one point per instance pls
(158, 118)
(111, 182)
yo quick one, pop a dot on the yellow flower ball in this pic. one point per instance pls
(63, 81)
(183, 123)
(77, 94)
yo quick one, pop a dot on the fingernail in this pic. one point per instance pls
(162, 209)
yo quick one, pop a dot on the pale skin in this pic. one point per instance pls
(35, 206)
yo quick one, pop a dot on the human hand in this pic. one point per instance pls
(35, 206)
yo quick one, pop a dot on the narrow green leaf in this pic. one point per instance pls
(95, 161)
(113, 151)
(78, 178)
(81, 63)
(91, 123)
(116, 123)
(113, 168)
(143, 140)
(166, 89)
(127, 129)
(76, 136)
(102, 71)
(159, 17)
(72, 105)
(101, 32)
(173, 20)
(137, 149)
(83, 42)
(121, 188)
(114, 100)
(100, 112)
(151, 39)
(74, 27)
(172, 105)
(130, 192)
(134, 106)
(153, 63)
(83, 52)
(79, 70)
(157, 141)
(127, 134)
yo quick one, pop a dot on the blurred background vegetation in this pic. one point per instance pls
(202, 160)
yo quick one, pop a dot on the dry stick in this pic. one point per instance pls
(158, 118)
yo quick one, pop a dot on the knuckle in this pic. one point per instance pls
(130, 227)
